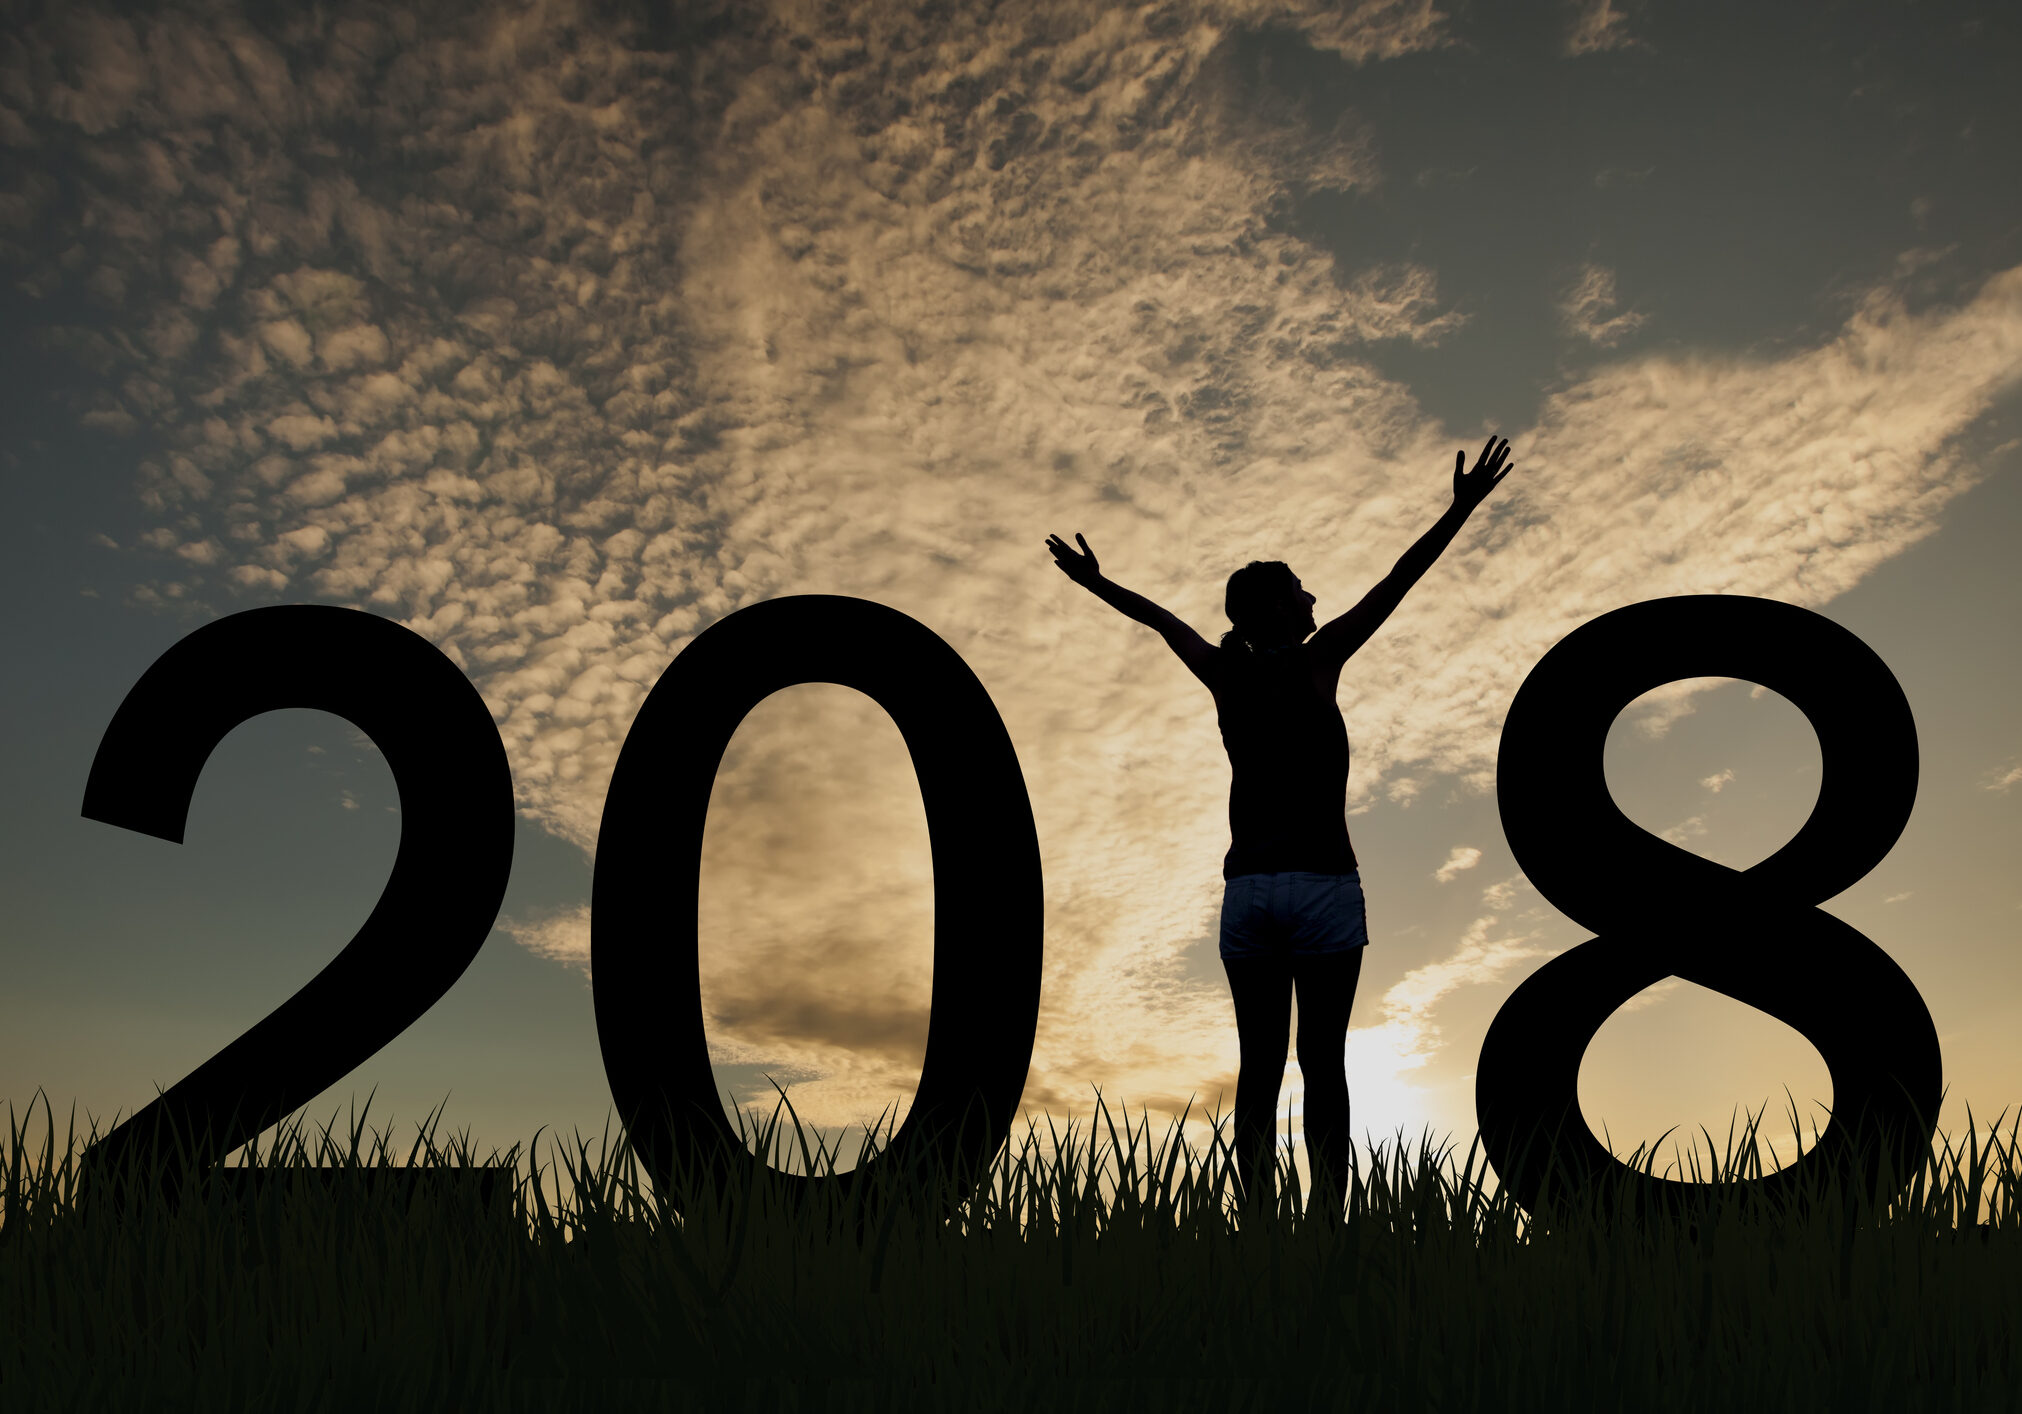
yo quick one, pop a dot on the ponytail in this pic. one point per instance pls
(1253, 591)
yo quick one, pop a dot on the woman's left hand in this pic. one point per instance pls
(1471, 488)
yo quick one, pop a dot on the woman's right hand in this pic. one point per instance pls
(1081, 568)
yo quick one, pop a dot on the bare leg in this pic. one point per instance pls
(1326, 994)
(1262, 988)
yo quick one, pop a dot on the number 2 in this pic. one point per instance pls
(448, 879)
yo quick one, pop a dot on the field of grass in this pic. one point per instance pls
(1093, 1272)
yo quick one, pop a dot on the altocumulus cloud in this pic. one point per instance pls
(558, 338)
(1464, 857)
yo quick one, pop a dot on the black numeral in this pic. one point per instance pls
(1754, 935)
(449, 876)
(989, 901)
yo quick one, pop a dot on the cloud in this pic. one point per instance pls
(1463, 858)
(1718, 781)
(302, 430)
(562, 935)
(1685, 831)
(1477, 958)
(1598, 27)
(1661, 708)
(2003, 777)
(287, 339)
(1588, 308)
(1384, 1060)
(629, 338)
(1502, 893)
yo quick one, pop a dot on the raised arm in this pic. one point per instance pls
(1193, 650)
(1337, 640)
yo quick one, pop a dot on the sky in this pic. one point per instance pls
(556, 332)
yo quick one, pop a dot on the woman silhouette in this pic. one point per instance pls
(1292, 909)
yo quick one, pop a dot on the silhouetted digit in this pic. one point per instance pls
(1660, 911)
(449, 876)
(988, 900)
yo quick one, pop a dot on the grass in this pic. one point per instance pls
(1094, 1271)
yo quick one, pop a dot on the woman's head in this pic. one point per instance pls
(1268, 606)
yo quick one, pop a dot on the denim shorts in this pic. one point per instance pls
(1292, 915)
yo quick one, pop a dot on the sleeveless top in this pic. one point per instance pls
(1288, 751)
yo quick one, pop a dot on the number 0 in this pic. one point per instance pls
(988, 897)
